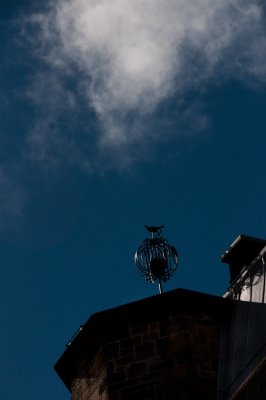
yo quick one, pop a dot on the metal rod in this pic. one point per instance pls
(160, 287)
(264, 277)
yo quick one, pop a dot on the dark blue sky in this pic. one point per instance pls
(100, 134)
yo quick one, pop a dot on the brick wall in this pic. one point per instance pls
(164, 348)
(177, 356)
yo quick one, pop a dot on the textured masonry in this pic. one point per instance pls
(159, 348)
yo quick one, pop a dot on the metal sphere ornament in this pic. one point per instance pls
(156, 259)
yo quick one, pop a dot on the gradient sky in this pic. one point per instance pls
(116, 114)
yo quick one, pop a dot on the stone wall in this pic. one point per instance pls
(162, 356)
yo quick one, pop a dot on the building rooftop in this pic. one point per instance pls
(241, 253)
(115, 323)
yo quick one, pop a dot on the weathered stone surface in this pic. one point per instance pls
(158, 348)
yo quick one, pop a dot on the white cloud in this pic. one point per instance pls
(128, 56)
(46, 143)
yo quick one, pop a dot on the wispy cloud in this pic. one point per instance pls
(128, 57)
(13, 198)
(109, 79)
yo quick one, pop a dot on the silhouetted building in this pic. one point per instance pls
(180, 345)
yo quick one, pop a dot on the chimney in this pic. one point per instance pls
(161, 348)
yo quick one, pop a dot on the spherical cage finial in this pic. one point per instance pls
(155, 259)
